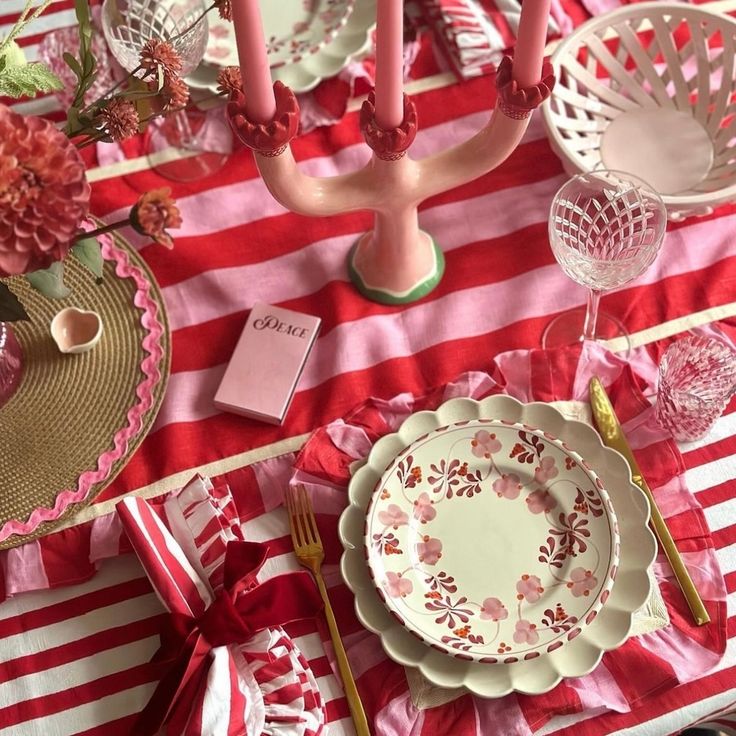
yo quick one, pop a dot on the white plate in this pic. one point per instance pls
(492, 541)
(294, 29)
(578, 657)
(351, 41)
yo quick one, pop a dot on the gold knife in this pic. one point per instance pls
(612, 434)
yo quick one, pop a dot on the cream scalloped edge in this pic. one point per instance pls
(577, 658)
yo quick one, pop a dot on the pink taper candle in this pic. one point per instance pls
(530, 42)
(390, 64)
(260, 105)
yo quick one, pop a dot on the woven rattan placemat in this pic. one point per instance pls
(68, 408)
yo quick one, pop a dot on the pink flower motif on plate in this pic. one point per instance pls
(529, 588)
(396, 586)
(582, 581)
(393, 516)
(424, 509)
(540, 502)
(526, 632)
(508, 486)
(545, 471)
(430, 550)
(493, 609)
(484, 444)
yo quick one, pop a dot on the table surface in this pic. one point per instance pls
(238, 246)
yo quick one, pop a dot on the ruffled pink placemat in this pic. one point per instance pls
(647, 664)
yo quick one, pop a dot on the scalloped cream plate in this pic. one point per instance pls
(492, 541)
(499, 530)
(350, 41)
(294, 30)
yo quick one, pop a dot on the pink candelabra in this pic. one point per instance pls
(395, 262)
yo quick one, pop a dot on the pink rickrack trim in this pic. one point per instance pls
(388, 145)
(267, 139)
(519, 103)
(150, 367)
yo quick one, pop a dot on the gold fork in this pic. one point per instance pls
(310, 553)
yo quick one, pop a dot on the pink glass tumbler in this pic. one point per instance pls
(697, 377)
(11, 363)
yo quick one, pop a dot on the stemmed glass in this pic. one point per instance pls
(127, 25)
(605, 229)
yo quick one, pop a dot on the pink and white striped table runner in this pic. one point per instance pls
(74, 660)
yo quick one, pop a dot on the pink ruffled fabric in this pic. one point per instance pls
(645, 665)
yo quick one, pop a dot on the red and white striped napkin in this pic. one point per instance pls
(473, 35)
(191, 548)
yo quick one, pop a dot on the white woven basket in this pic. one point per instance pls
(645, 90)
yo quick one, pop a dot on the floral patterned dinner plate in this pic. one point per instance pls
(491, 540)
(294, 29)
(536, 674)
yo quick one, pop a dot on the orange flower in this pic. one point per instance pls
(44, 195)
(229, 80)
(225, 9)
(174, 94)
(157, 54)
(119, 120)
(153, 213)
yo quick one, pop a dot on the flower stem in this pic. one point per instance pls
(89, 141)
(102, 230)
(192, 24)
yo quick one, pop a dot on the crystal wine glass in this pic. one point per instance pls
(605, 229)
(200, 143)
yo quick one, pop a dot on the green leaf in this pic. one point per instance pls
(12, 55)
(87, 252)
(86, 71)
(50, 282)
(73, 64)
(28, 80)
(11, 310)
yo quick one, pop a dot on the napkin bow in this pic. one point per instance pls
(202, 620)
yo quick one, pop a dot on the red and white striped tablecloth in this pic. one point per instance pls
(72, 660)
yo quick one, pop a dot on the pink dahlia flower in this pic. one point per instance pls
(44, 195)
